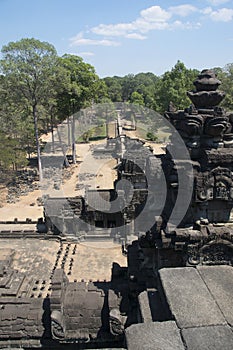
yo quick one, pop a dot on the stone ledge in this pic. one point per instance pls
(208, 338)
(189, 299)
(154, 336)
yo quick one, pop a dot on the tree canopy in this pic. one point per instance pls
(83, 86)
(30, 72)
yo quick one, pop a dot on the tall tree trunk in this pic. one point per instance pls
(28, 147)
(63, 149)
(68, 127)
(52, 132)
(73, 140)
(37, 141)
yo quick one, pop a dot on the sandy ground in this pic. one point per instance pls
(103, 175)
(88, 262)
(89, 172)
(22, 209)
(3, 194)
(37, 258)
(27, 206)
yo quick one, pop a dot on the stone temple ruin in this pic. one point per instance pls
(176, 291)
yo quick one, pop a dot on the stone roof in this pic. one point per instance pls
(98, 200)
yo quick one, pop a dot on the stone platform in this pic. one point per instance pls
(201, 312)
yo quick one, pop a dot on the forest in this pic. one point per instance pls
(39, 90)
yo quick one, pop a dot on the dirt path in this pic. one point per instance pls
(103, 169)
(23, 208)
(103, 175)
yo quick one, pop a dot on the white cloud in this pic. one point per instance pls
(79, 40)
(136, 36)
(207, 10)
(152, 18)
(222, 15)
(113, 29)
(217, 2)
(182, 10)
(184, 25)
(144, 26)
(155, 14)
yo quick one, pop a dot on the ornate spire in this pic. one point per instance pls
(206, 95)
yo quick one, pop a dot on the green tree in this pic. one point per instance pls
(137, 98)
(31, 70)
(83, 88)
(146, 86)
(11, 153)
(16, 125)
(128, 86)
(124, 88)
(225, 75)
(114, 88)
(173, 87)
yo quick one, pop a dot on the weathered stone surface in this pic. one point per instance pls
(208, 338)
(189, 299)
(145, 307)
(154, 336)
(219, 280)
(15, 320)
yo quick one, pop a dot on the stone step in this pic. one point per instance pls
(97, 237)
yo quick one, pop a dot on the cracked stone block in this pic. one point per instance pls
(189, 299)
(154, 336)
(219, 280)
(208, 338)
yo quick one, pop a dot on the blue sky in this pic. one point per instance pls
(126, 36)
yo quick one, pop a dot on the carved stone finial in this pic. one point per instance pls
(206, 94)
(207, 81)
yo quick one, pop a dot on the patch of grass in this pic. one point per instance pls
(97, 133)
(161, 135)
